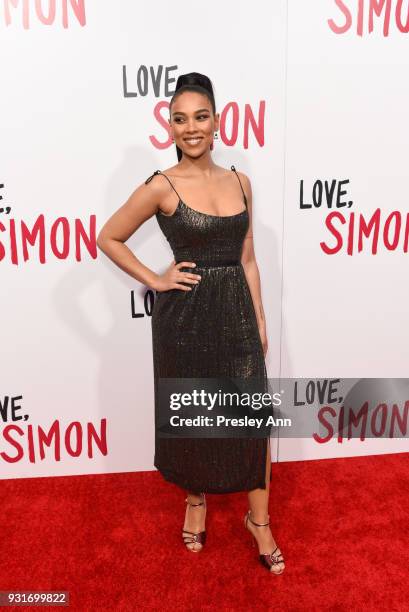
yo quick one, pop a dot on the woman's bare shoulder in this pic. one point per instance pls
(155, 187)
(229, 171)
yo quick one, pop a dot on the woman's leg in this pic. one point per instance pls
(258, 504)
(195, 517)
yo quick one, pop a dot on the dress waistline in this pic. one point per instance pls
(212, 264)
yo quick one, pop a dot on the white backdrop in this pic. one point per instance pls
(330, 106)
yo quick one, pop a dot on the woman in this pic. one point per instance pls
(208, 319)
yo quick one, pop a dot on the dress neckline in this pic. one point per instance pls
(200, 212)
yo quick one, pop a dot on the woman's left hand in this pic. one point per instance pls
(263, 337)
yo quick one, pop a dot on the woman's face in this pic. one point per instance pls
(192, 123)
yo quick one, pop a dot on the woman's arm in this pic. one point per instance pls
(140, 206)
(249, 263)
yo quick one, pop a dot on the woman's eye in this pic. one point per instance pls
(180, 119)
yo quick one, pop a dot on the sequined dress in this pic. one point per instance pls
(209, 331)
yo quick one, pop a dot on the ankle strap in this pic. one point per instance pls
(257, 524)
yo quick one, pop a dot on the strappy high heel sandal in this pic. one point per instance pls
(194, 538)
(268, 560)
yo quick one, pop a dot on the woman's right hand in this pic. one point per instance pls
(173, 277)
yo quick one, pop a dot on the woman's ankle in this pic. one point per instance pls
(261, 517)
(194, 498)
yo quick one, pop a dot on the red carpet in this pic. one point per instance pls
(113, 541)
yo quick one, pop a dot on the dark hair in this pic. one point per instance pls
(193, 81)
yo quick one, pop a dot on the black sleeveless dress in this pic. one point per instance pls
(210, 331)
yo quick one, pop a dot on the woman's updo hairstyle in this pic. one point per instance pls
(193, 81)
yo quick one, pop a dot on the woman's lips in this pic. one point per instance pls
(193, 141)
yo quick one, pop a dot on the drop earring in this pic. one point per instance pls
(215, 137)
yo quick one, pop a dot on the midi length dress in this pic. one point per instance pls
(210, 331)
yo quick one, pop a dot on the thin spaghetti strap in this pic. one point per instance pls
(244, 195)
(148, 180)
